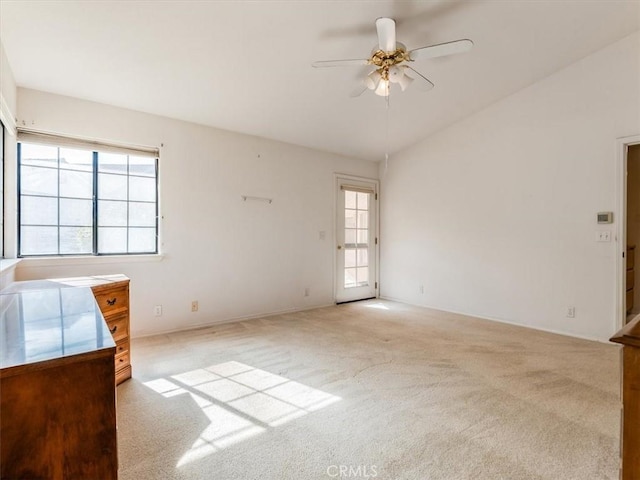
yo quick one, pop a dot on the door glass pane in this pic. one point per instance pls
(76, 240)
(363, 257)
(350, 199)
(356, 234)
(349, 258)
(350, 218)
(363, 201)
(363, 219)
(363, 276)
(349, 236)
(350, 278)
(38, 210)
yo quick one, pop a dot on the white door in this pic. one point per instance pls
(356, 238)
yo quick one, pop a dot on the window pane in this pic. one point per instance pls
(76, 184)
(350, 218)
(363, 276)
(363, 201)
(349, 236)
(363, 219)
(76, 240)
(143, 189)
(57, 201)
(142, 166)
(73, 159)
(349, 277)
(76, 212)
(38, 240)
(112, 240)
(112, 214)
(112, 187)
(38, 210)
(112, 163)
(142, 240)
(349, 199)
(363, 257)
(39, 155)
(349, 257)
(363, 236)
(38, 181)
(142, 214)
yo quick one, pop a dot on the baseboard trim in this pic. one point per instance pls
(231, 320)
(499, 320)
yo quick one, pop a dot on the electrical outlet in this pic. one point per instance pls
(194, 306)
(157, 310)
(571, 312)
(421, 288)
(306, 292)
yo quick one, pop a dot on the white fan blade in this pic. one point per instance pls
(442, 49)
(423, 83)
(359, 90)
(386, 28)
(340, 63)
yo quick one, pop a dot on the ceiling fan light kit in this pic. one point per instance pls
(390, 58)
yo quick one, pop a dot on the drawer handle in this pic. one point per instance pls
(111, 302)
(113, 330)
(121, 360)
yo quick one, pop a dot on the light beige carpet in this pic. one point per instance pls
(369, 390)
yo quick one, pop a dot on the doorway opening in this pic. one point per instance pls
(632, 227)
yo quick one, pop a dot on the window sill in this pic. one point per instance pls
(28, 262)
(9, 264)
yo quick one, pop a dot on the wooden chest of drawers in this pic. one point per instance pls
(57, 378)
(112, 295)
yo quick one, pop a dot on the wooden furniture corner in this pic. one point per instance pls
(629, 337)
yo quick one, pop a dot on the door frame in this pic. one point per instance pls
(622, 145)
(337, 177)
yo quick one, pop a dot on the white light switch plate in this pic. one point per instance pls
(603, 236)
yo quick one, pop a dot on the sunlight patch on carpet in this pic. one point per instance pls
(379, 306)
(240, 402)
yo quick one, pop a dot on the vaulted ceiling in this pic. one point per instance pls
(245, 66)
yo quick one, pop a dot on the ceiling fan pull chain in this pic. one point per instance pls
(386, 147)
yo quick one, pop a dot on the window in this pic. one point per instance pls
(77, 199)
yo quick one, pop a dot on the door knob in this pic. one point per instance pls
(339, 247)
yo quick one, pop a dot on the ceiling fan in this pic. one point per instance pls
(391, 59)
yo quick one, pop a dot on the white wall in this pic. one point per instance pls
(496, 215)
(237, 259)
(8, 95)
(7, 90)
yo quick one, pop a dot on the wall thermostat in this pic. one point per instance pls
(605, 217)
